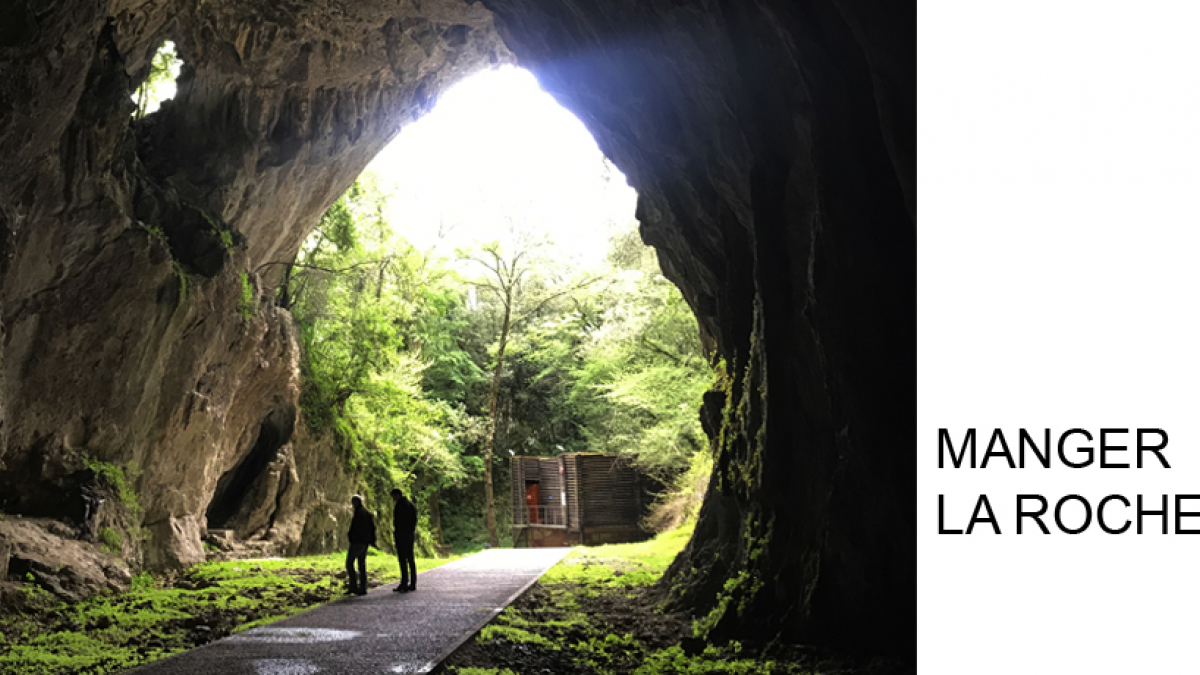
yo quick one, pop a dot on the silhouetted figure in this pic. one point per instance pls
(404, 522)
(362, 536)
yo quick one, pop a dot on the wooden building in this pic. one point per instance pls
(578, 498)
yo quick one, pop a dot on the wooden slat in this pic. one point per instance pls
(571, 472)
(603, 493)
(517, 488)
(609, 491)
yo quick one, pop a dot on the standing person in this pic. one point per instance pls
(362, 536)
(404, 520)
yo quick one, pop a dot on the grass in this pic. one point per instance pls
(637, 564)
(111, 633)
(597, 612)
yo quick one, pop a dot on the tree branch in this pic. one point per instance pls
(656, 348)
(317, 267)
(547, 299)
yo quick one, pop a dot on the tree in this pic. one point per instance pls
(511, 279)
(375, 317)
(646, 363)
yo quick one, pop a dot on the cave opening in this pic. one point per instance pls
(540, 274)
(159, 85)
(236, 484)
(498, 158)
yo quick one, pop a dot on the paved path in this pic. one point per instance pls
(381, 632)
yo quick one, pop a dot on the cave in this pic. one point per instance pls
(772, 145)
(234, 493)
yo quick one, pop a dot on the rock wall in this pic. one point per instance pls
(135, 256)
(773, 146)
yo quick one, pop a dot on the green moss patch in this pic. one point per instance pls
(110, 540)
(246, 303)
(157, 618)
(600, 612)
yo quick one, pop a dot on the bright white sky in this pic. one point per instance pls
(498, 150)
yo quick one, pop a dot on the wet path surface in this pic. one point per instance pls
(381, 632)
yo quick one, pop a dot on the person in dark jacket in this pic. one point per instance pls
(362, 536)
(404, 522)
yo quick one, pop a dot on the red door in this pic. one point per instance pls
(531, 502)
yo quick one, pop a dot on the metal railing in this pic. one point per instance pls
(542, 515)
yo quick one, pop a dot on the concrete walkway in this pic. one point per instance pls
(381, 632)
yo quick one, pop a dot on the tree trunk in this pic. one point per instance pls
(489, 499)
(379, 285)
(435, 519)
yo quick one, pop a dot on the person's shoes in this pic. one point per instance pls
(400, 589)
(412, 587)
(360, 592)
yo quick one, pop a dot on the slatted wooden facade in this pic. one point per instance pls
(589, 498)
(546, 473)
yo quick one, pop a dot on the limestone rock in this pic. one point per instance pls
(125, 246)
(47, 552)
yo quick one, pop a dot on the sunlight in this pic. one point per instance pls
(498, 153)
(159, 84)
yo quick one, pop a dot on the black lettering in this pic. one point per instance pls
(991, 452)
(1100, 514)
(1105, 448)
(1180, 514)
(1142, 512)
(1087, 518)
(1142, 447)
(1036, 515)
(1043, 459)
(991, 517)
(942, 517)
(1062, 453)
(944, 442)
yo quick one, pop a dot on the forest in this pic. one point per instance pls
(432, 372)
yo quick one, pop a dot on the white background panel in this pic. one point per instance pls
(1059, 287)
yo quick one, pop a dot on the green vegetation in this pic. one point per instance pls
(597, 612)
(430, 378)
(182, 275)
(111, 633)
(514, 634)
(110, 540)
(225, 236)
(711, 660)
(619, 565)
(383, 369)
(164, 67)
(117, 482)
(246, 303)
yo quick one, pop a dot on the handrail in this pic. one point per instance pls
(541, 515)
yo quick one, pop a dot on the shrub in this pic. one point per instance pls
(110, 540)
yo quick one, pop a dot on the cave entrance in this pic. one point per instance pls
(159, 84)
(550, 321)
(236, 492)
(498, 159)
